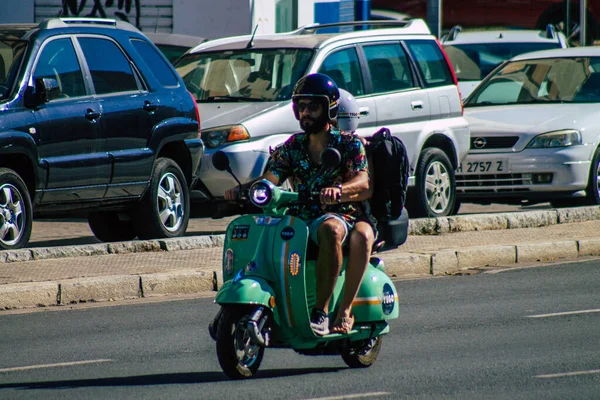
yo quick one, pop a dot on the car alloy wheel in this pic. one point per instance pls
(15, 211)
(170, 202)
(434, 194)
(437, 187)
(164, 211)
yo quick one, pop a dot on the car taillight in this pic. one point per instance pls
(197, 113)
(454, 77)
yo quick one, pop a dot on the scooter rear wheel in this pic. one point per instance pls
(238, 356)
(362, 354)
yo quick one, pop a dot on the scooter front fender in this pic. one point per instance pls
(252, 290)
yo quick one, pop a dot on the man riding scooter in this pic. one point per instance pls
(315, 104)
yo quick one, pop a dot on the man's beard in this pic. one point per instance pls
(311, 125)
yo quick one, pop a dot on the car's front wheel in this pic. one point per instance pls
(164, 212)
(434, 193)
(16, 213)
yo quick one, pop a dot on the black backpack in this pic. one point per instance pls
(392, 169)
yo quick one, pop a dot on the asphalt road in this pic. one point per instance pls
(520, 334)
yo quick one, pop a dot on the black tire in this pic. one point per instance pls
(456, 209)
(16, 211)
(164, 212)
(108, 227)
(233, 345)
(363, 354)
(434, 193)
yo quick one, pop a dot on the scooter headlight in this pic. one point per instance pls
(261, 193)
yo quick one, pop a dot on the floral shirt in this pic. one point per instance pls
(291, 160)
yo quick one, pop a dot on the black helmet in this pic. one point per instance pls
(320, 86)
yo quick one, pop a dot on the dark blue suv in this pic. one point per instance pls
(94, 122)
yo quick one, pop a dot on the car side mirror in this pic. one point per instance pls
(45, 89)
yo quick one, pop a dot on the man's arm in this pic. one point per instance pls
(358, 188)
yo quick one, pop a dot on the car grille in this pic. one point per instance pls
(499, 183)
(493, 142)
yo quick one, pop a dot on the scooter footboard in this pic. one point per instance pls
(377, 298)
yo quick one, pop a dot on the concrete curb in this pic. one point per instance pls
(137, 246)
(440, 262)
(123, 287)
(418, 226)
(106, 288)
(447, 261)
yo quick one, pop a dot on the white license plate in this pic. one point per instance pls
(483, 167)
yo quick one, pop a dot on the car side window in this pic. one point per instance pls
(111, 71)
(58, 60)
(432, 62)
(343, 67)
(389, 67)
(157, 64)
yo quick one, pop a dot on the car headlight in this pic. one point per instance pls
(564, 138)
(216, 137)
(261, 193)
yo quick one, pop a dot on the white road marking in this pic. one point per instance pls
(575, 373)
(352, 396)
(559, 314)
(65, 364)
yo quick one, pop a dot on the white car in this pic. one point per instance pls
(475, 53)
(535, 131)
(397, 71)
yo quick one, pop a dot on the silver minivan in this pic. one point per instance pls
(397, 71)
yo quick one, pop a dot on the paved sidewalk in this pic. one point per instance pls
(99, 272)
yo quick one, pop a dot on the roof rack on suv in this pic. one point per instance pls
(418, 25)
(54, 23)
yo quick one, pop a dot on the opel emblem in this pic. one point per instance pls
(479, 143)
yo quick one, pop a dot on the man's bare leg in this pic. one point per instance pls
(329, 261)
(361, 242)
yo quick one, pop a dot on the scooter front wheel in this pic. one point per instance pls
(363, 353)
(238, 356)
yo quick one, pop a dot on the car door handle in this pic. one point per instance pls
(92, 115)
(364, 111)
(416, 105)
(149, 106)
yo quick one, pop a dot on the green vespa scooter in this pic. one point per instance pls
(269, 290)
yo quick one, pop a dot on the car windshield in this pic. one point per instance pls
(473, 62)
(562, 80)
(11, 52)
(248, 75)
